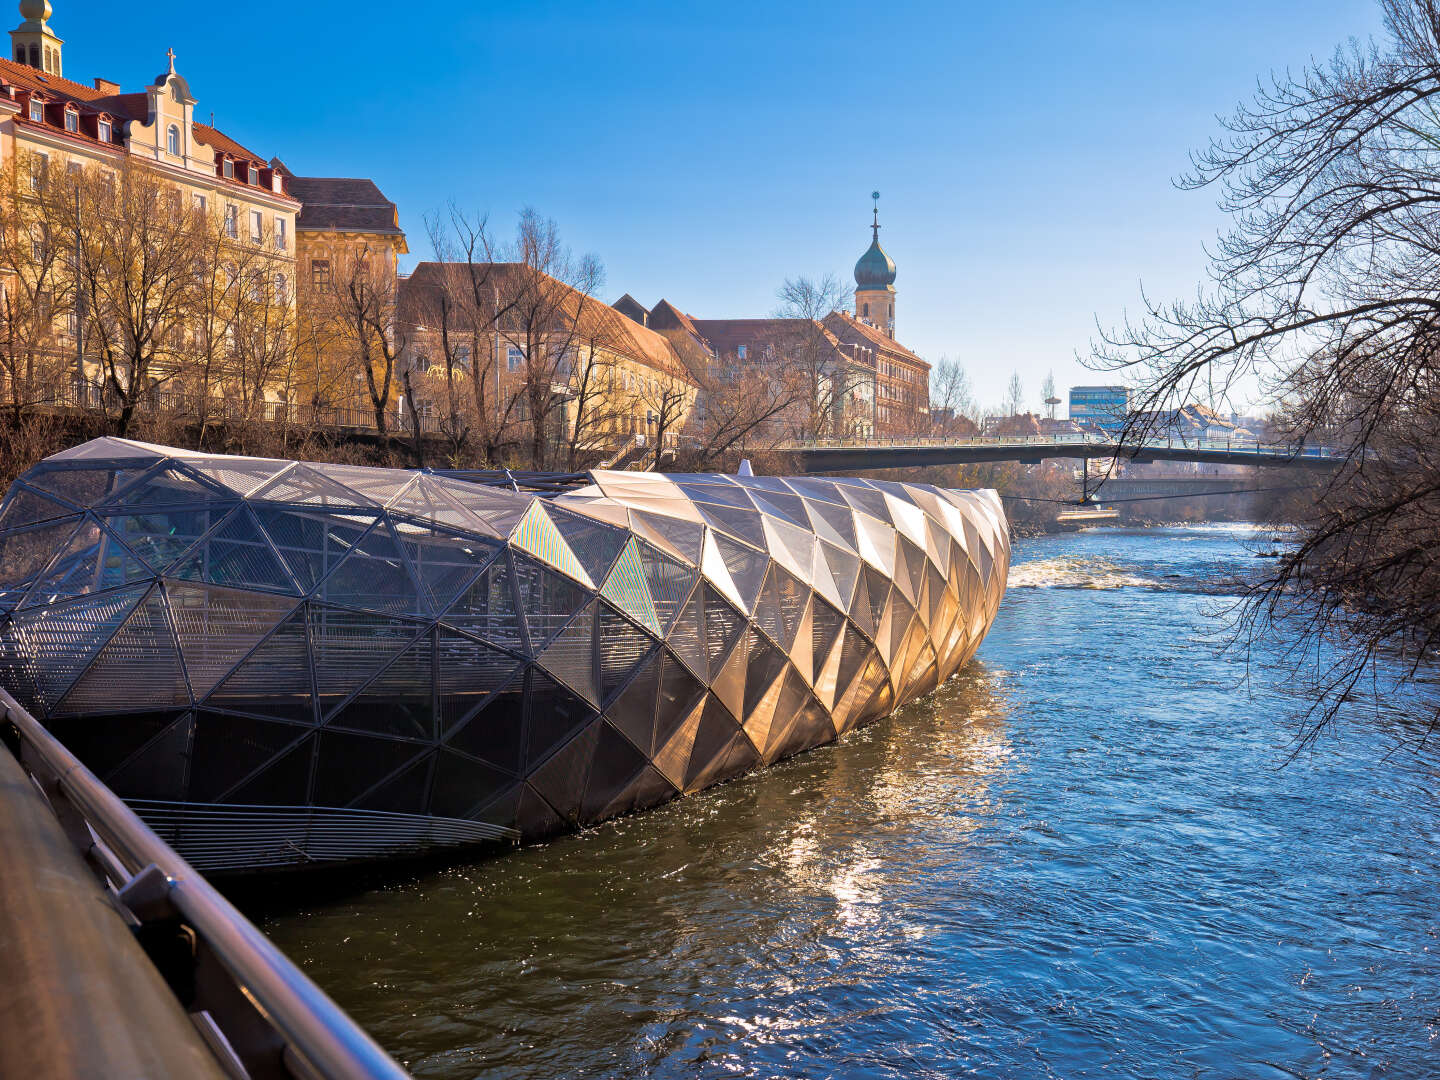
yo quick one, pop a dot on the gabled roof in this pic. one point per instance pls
(844, 325)
(727, 335)
(343, 204)
(218, 140)
(595, 318)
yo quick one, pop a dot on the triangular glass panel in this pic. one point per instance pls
(56, 643)
(217, 627)
(625, 588)
(305, 486)
(227, 749)
(274, 680)
(877, 586)
(547, 600)
(467, 673)
(351, 764)
(284, 782)
(844, 568)
(860, 613)
(682, 537)
(497, 510)
(157, 771)
(92, 561)
(672, 757)
(594, 544)
(461, 785)
(374, 576)
(614, 763)
(487, 607)
(239, 475)
(781, 605)
(816, 488)
(399, 701)
(552, 715)
(788, 508)
(648, 789)
(172, 486)
(312, 542)
(712, 563)
(875, 541)
(407, 792)
(350, 647)
(496, 733)
(561, 777)
(535, 818)
(633, 710)
(161, 537)
(869, 502)
(621, 647)
(103, 745)
(84, 486)
(25, 507)
(687, 637)
(713, 740)
(538, 535)
(570, 657)
(722, 494)
(668, 582)
(444, 561)
(744, 524)
(679, 690)
(765, 663)
(723, 624)
(792, 547)
(24, 554)
(236, 554)
(746, 566)
(378, 485)
(826, 624)
(729, 682)
(833, 523)
(427, 498)
(140, 662)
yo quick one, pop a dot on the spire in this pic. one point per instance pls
(33, 42)
(875, 225)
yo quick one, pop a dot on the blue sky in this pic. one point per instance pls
(707, 151)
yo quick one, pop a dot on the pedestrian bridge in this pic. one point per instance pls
(851, 455)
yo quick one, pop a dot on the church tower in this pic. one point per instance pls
(875, 281)
(33, 42)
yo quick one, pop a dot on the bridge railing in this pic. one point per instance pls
(258, 1012)
(1049, 441)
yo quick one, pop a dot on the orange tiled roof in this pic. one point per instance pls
(842, 322)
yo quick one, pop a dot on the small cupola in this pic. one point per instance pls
(33, 42)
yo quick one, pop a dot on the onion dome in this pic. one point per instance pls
(875, 270)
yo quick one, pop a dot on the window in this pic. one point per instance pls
(254, 175)
(282, 288)
(232, 221)
(279, 234)
(422, 363)
(741, 351)
(106, 132)
(320, 271)
(72, 120)
(257, 226)
(462, 354)
(200, 204)
(37, 243)
(867, 311)
(74, 168)
(514, 357)
(172, 139)
(227, 169)
(37, 110)
(39, 167)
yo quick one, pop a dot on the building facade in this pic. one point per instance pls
(1105, 407)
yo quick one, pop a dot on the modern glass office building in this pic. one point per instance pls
(281, 664)
(1104, 406)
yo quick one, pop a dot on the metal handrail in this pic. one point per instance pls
(1169, 442)
(150, 878)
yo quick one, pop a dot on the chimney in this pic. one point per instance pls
(105, 86)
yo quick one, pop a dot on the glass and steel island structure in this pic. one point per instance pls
(281, 664)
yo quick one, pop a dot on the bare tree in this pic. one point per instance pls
(1047, 394)
(1014, 395)
(1325, 296)
(952, 401)
(830, 377)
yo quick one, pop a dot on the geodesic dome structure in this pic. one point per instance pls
(284, 663)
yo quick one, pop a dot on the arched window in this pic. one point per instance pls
(867, 311)
(34, 55)
(892, 311)
(19, 54)
(172, 140)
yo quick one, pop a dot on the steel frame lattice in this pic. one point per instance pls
(285, 663)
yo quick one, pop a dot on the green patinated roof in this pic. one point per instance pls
(875, 270)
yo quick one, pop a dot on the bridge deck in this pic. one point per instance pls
(872, 454)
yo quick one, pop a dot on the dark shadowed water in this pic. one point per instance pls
(1080, 858)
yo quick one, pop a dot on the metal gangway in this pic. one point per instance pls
(119, 959)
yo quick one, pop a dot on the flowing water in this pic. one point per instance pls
(1085, 856)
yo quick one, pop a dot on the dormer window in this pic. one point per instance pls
(254, 175)
(37, 110)
(228, 169)
(72, 120)
(172, 139)
(105, 131)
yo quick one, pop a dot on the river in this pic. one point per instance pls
(1085, 856)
